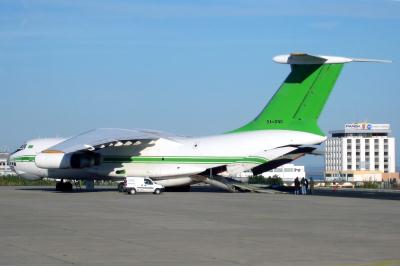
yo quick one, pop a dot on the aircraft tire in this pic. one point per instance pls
(68, 187)
(64, 187)
(178, 189)
(59, 186)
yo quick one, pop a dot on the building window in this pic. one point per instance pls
(348, 141)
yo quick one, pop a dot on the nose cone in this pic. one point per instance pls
(20, 168)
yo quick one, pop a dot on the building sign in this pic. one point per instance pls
(366, 126)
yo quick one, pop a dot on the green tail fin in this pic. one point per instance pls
(300, 99)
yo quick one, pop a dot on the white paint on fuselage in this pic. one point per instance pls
(27, 168)
(244, 144)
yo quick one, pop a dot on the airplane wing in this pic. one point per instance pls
(104, 137)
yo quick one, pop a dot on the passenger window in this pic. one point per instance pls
(148, 182)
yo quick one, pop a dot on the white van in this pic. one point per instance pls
(134, 185)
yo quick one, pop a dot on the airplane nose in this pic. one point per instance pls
(21, 170)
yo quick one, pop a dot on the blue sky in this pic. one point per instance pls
(187, 67)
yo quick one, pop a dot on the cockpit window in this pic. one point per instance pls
(20, 148)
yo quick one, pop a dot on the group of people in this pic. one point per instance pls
(301, 186)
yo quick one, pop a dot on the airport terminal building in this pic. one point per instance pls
(4, 167)
(359, 153)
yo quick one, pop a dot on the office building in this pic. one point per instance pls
(361, 152)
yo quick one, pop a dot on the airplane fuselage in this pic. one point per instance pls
(170, 158)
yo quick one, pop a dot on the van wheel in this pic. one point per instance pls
(157, 191)
(132, 191)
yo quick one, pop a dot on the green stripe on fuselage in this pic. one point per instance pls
(168, 159)
(183, 159)
(25, 158)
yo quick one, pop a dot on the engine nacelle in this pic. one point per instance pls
(53, 160)
(64, 161)
(82, 160)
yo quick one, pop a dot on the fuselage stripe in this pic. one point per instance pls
(168, 159)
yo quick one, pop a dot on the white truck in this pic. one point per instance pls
(134, 185)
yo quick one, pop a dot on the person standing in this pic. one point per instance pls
(311, 185)
(296, 186)
(303, 186)
(306, 184)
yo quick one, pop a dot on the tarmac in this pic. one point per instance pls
(39, 226)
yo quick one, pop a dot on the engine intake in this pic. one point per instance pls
(65, 161)
(82, 160)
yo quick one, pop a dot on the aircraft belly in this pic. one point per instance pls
(162, 170)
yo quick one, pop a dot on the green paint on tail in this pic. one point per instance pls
(299, 101)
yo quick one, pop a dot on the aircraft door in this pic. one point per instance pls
(148, 185)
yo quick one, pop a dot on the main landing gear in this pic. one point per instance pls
(64, 186)
(178, 189)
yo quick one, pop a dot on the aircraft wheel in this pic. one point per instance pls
(68, 187)
(157, 191)
(132, 191)
(59, 186)
(178, 189)
(64, 187)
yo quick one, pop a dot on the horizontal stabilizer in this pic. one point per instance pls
(306, 59)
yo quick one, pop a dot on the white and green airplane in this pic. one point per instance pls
(282, 132)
